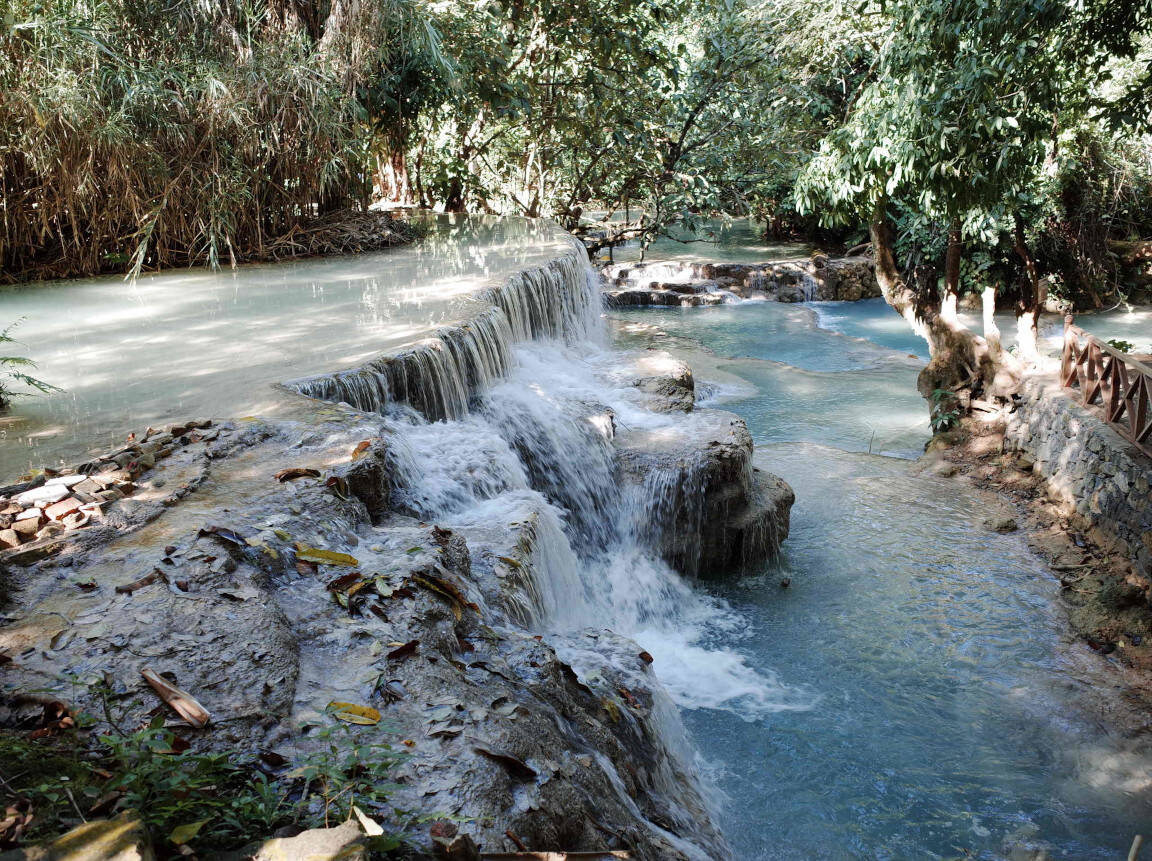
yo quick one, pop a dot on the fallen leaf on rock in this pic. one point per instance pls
(88, 586)
(338, 486)
(517, 768)
(296, 472)
(240, 593)
(146, 580)
(180, 701)
(405, 651)
(446, 730)
(370, 826)
(646, 657)
(324, 557)
(446, 589)
(343, 582)
(353, 713)
(508, 560)
(629, 697)
(612, 709)
(361, 449)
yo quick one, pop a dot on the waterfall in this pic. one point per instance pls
(527, 451)
(439, 376)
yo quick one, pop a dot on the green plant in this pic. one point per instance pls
(344, 770)
(10, 373)
(945, 410)
(1121, 345)
(208, 801)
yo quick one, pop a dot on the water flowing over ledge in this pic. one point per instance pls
(439, 375)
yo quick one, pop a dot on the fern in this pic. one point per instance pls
(10, 373)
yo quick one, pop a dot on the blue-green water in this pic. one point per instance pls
(950, 708)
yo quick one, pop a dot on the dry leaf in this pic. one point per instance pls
(324, 557)
(181, 702)
(352, 713)
(405, 651)
(297, 472)
(517, 768)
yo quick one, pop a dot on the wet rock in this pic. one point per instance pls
(705, 509)
(265, 645)
(820, 278)
(1002, 525)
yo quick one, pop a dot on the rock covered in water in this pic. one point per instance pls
(700, 502)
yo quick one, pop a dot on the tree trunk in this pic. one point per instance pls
(991, 330)
(949, 305)
(959, 360)
(1028, 308)
(393, 177)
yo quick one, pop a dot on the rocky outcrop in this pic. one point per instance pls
(1103, 481)
(665, 380)
(233, 591)
(704, 507)
(819, 278)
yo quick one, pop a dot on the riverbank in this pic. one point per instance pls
(1104, 597)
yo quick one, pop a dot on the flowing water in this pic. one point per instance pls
(183, 344)
(720, 240)
(948, 707)
(905, 698)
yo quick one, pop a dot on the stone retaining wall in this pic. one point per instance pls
(1088, 466)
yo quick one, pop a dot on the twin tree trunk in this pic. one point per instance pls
(959, 360)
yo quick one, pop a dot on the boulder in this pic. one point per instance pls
(698, 501)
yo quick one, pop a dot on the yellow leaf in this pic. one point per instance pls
(352, 713)
(181, 834)
(324, 557)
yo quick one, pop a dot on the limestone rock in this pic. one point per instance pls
(706, 510)
(819, 278)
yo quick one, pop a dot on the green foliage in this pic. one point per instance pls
(207, 800)
(11, 372)
(148, 134)
(1121, 345)
(944, 410)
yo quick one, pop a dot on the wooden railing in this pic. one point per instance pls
(1120, 384)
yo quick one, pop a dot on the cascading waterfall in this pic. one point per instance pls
(440, 375)
(530, 414)
(526, 454)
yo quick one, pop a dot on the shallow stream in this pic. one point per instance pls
(945, 705)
